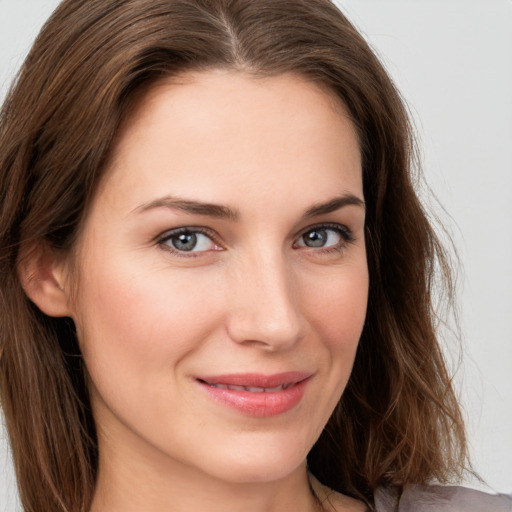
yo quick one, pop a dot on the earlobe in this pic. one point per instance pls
(43, 277)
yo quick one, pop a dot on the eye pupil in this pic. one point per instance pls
(184, 241)
(315, 238)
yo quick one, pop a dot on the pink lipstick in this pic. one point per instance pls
(257, 394)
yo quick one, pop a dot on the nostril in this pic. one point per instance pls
(264, 335)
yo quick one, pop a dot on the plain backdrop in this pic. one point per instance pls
(452, 60)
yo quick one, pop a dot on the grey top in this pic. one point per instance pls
(437, 498)
(419, 498)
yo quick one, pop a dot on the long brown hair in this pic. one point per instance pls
(398, 420)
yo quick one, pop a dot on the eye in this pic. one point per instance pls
(188, 240)
(325, 237)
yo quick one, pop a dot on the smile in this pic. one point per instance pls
(257, 395)
(251, 389)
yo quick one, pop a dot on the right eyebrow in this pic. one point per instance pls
(189, 206)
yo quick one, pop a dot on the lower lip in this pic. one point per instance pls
(262, 404)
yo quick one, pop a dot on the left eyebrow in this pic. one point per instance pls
(333, 205)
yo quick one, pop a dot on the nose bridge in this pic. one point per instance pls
(266, 309)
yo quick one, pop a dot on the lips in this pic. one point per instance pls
(251, 389)
(257, 394)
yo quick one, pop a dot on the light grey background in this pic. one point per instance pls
(452, 60)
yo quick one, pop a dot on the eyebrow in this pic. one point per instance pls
(225, 212)
(333, 205)
(190, 206)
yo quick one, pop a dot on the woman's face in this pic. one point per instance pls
(222, 276)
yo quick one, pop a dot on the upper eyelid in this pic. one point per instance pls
(210, 232)
(325, 225)
(184, 229)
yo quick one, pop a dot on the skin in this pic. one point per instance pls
(252, 296)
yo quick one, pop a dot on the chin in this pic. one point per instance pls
(263, 461)
(250, 473)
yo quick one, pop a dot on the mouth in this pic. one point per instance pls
(250, 389)
(256, 394)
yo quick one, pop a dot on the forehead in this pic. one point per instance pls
(219, 129)
(232, 85)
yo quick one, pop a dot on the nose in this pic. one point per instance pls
(265, 304)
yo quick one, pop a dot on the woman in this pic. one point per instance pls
(253, 157)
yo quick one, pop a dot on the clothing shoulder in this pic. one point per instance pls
(436, 498)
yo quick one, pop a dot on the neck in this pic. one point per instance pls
(134, 480)
(184, 490)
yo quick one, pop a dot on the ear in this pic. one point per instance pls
(43, 277)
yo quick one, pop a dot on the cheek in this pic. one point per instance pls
(134, 324)
(337, 313)
(337, 310)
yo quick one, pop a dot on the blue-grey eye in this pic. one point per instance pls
(189, 241)
(320, 237)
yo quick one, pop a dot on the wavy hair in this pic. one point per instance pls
(398, 420)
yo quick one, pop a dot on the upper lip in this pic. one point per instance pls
(257, 380)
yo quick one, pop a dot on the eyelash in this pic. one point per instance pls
(168, 235)
(344, 232)
(347, 237)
